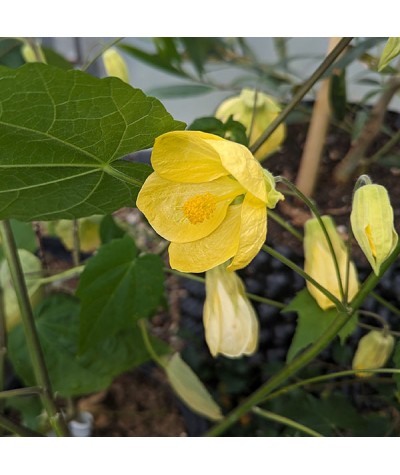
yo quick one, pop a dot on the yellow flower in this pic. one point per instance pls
(265, 110)
(372, 224)
(319, 264)
(115, 65)
(208, 196)
(373, 351)
(230, 322)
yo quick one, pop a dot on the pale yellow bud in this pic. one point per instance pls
(372, 224)
(230, 322)
(115, 65)
(28, 54)
(319, 263)
(264, 108)
(373, 351)
(32, 267)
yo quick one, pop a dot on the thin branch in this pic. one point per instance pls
(319, 72)
(285, 421)
(348, 166)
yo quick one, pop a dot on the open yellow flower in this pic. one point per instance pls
(230, 322)
(209, 197)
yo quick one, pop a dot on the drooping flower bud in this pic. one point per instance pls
(230, 322)
(372, 224)
(373, 351)
(256, 111)
(319, 263)
(28, 54)
(115, 65)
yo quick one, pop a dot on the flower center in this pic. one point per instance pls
(199, 208)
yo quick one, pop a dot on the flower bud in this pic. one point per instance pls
(319, 263)
(373, 351)
(372, 224)
(264, 109)
(230, 322)
(28, 54)
(115, 65)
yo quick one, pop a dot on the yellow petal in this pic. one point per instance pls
(187, 157)
(272, 144)
(253, 231)
(211, 251)
(241, 164)
(319, 264)
(163, 203)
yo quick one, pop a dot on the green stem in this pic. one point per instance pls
(301, 93)
(147, 343)
(371, 327)
(317, 214)
(328, 377)
(285, 225)
(32, 339)
(308, 355)
(17, 429)
(386, 148)
(68, 274)
(385, 303)
(34, 390)
(286, 421)
(89, 62)
(196, 278)
(121, 176)
(300, 271)
(380, 319)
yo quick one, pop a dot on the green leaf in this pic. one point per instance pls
(312, 322)
(10, 53)
(180, 90)
(211, 125)
(57, 322)
(110, 230)
(30, 408)
(56, 59)
(62, 137)
(390, 51)
(117, 288)
(337, 94)
(24, 236)
(231, 130)
(353, 53)
(154, 60)
(190, 389)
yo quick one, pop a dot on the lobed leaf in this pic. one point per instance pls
(312, 322)
(62, 137)
(117, 288)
